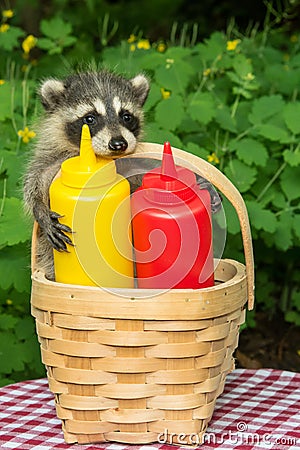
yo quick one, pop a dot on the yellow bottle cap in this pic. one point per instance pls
(87, 170)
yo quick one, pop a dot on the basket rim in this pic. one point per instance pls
(39, 276)
(173, 304)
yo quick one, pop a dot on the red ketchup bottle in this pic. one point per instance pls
(172, 229)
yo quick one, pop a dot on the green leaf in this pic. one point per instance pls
(154, 97)
(242, 113)
(242, 65)
(291, 114)
(289, 181)
(250, 151)
(265, 107)
(292, 158)
(277, 198)
(12, 167)
(5, 100)
(296, 225)
(7, 322)
(147, 61)
(56, 28)
(46, 44)
(25, 328)
(213, 47)
(68, 41)
(232, 221)
(57, 50)
(283, 234)
(242, 91)
(174, 75)
(13, 226)
(153, 133)
(241, 175)
(10, 355)
(234, 77)
(260, 218)
(10, 38)
(272, 132)
(202, 107)
(169, 113)
(280, 78)
(14, 268)
(225, 120)
(293, 317)
(193, 148)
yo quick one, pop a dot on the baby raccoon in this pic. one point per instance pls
(112, 108)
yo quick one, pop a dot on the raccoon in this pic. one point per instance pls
(111, 106)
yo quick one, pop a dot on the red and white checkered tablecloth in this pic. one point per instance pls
(259, 409)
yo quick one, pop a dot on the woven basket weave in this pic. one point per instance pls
(138, 366)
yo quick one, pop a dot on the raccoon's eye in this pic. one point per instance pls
(127, 117)
(90, 119)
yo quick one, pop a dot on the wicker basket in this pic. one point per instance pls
(136, 369)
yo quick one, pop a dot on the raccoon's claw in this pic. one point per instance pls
(56, 233)
(59, 226)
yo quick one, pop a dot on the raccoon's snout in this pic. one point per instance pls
(118, 144)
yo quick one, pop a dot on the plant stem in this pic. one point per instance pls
(25, 96)
(269, 184)
(3, 198)
(12, 96)
(235, 105)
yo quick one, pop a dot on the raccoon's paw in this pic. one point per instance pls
(55, 232)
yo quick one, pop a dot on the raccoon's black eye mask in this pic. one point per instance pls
(129, 120)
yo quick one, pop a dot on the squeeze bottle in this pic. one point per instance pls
(94, 202)
(172, 229)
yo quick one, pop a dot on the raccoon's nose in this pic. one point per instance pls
(118, 144)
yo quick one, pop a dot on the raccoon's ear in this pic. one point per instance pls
(141, 88)
(51, 92)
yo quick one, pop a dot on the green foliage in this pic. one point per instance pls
(58, 36)
(231, 99)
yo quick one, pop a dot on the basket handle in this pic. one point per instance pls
(224, 185)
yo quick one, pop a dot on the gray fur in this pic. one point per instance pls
(116, 99)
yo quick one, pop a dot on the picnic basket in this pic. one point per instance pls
(140, 366)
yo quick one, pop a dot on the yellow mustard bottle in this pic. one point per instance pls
(95, 203)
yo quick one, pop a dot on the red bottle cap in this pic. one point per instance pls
(169, 183)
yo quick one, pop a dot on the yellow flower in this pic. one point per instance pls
(231, 45)
(131, 39)
(4, 27)
(26, 135)
(294, 38)
(7, 13)
(9, 302)
(132, 47)
(206, 72)
(249, 76)
(212, 158)
(144, 44)
(29, 43)
(2, 82)
(165, 93)
(161, 47)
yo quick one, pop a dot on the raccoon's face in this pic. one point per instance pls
(109, 104)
